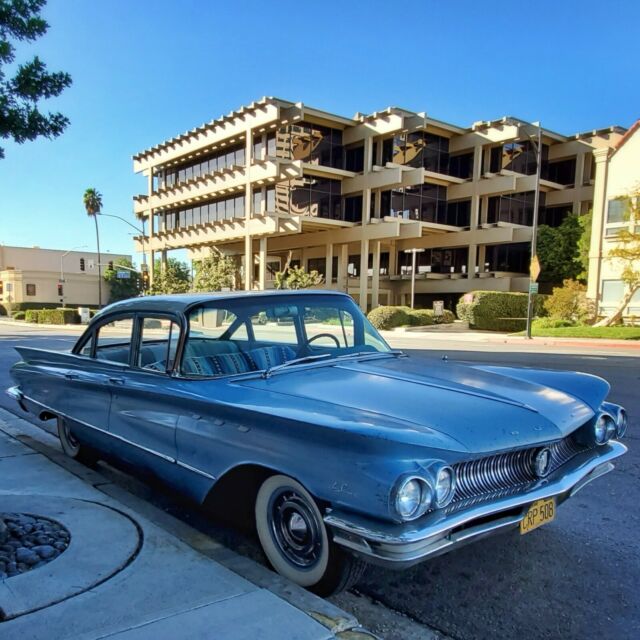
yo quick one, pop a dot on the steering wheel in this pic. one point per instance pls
(305, 347)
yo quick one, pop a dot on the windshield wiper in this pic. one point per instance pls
(359, 354)
(268, 372)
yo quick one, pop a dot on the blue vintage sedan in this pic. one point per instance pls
(347, 451)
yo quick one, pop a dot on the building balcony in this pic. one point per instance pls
(220, 183)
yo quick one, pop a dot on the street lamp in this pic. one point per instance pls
(133, 226)
(62, 257)
(413, 272)
(534, 239)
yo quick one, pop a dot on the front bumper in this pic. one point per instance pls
(401, 546)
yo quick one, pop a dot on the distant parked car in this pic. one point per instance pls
(347, 451)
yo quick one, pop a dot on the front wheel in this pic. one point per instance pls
(71, 445)
(295, 539)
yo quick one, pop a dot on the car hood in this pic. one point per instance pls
(466, 407)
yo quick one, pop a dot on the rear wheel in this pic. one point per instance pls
(71, 445)
(296, 542)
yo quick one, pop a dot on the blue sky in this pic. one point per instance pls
(147, 70)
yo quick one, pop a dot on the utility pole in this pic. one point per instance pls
(534, 257)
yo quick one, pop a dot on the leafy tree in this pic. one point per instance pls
(20, 117)
(92, 200)
(569, 302)
(297, 278)
(584, 244)
(627, 254)
(123, 288)
(214, 273)
(176, 277)
(558, 251)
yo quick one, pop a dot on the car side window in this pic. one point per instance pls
(329, 327)
(158, 344)
(113, 341)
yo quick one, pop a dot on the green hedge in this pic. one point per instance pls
(384, 317)
(498, 310)
(19, 315)
(52, 316)
(26, 306)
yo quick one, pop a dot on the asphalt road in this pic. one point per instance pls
(577, 577)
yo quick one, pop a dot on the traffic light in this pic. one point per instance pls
(145, 280)
(60, 289)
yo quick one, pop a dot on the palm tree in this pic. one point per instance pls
(93, 204)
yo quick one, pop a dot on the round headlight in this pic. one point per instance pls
(445, 486)
(604, 428)
(622, 423)
(413, 498)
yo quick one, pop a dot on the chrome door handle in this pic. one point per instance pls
(116, 380)
(71, 376)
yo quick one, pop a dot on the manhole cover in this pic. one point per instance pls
(29, 541)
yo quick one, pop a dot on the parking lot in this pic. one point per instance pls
(575, 578)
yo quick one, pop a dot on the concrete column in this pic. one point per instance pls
(368, 154)
(262, 283)
(328, 267)
(151, 223)
(303, 258)
(598, 224)
(375, 281)
(482, 257)
(248, 262)
(484, 209)
(343, 263)
(472, 260)
(377, 204)
(474, 219)
(366, 206)
(579, 177)
(248, 202)
(163, 260)
(477, 162)
(393, 258)
(364, 269)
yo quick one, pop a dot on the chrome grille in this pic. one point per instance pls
(486, 477)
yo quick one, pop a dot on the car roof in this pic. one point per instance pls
(177, 303)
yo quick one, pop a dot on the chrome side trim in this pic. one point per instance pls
(195, 470)
(103, 431)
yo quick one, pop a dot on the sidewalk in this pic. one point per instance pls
(123, 576)
(435, 333)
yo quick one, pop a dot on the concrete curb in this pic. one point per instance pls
(339, 623)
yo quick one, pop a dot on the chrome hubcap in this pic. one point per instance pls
(295, 529)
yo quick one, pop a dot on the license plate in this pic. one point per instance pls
(539, 513)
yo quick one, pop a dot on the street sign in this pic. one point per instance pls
(92, 264)
(438, 307)
(534, 268)
(533, 287)
(123, 275)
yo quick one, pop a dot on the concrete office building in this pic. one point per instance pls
(32, 275)
(348, 196)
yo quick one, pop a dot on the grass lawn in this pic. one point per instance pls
(613, 333)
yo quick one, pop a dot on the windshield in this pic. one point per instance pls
(234, 336)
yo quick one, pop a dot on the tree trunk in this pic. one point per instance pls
(616, 317)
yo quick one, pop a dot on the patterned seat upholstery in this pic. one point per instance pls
(230, 360)
(272, 356)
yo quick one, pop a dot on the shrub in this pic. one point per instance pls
(421, 317)
(52, 316)
(569, 302)
(551, 323)
(498, 310)
(384, 317)
(19, 315)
